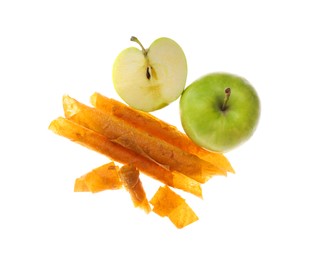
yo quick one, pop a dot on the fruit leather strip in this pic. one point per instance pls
(166, 203)
(129, 176)
(99, 179)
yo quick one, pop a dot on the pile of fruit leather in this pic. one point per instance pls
(137, 142)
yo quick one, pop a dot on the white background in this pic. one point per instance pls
(268, 210)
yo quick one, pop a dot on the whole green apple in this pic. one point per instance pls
(149, 79)
(220, 111)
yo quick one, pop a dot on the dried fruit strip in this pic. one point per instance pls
(158, 128)
(101, 144)
(102, 178)
(166, 203)
(139, 141)
(129, 176)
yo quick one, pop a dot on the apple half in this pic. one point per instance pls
(150, 79)
(220, 111)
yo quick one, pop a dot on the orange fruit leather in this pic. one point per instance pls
(166, 203)
(99, 179)
(129, 176)
(141, 142)
(80, 185)
(98, 142)
(160, 129)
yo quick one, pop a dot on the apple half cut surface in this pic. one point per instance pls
(149, 79)
(220, 111)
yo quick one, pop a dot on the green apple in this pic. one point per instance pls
(220, 111)
(149, 79)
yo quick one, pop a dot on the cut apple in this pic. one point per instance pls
(150, 79)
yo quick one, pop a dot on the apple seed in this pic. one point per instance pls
(148, 74)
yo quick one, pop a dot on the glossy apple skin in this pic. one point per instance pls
(203, 119)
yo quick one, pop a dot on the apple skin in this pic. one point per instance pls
(204, 120)
(167, 75)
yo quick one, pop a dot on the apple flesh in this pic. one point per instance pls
(149, 79)
(220, 111)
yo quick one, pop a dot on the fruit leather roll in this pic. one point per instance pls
(129, 176)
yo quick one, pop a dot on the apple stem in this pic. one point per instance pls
(150, 72)
(135, 39)
(227, 93)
